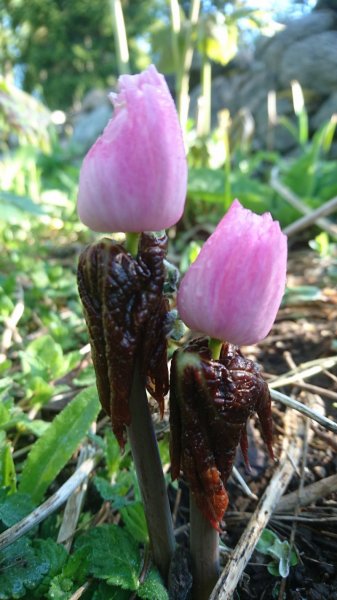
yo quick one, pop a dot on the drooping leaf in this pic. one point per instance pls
(52, 451)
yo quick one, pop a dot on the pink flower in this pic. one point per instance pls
(233, 290)
(134, 177)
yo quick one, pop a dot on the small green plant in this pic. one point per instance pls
(282, 555)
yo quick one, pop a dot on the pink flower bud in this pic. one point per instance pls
(134, 177)
(233, 290)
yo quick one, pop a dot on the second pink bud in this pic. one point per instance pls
(233, 290)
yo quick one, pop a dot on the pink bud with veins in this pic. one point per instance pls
(134, 177)
(233, 290)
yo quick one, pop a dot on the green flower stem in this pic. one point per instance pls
(150, 477)
(204, 545)
(204, 540)
(215, 348)
(131, 243)
(121, 41)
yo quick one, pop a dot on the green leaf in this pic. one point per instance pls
(44, 358)
(153, 587)
(40, 390)
(7, 468)
(109, 592)
(266, 540)
(282, 552)
(113, 453)
(15, 507)
(22, 203)
(21, 569)
(114, 556)
(60, 589)
(134, 518)
(206, 184)
(56, 555)
(73, 575)
(116, 493)
(54, 448)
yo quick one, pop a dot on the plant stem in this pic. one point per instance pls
(183, 75)
(204, 543)
(121, 41)
(150, 476)
(204, 539)
(206, 87)
(176, 28)
(228, 167)
(131, 243)
(215, 348)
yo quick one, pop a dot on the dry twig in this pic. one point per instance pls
(304, 410)
(290, 457)
(51, 505)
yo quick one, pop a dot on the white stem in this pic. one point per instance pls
(49, 506)
(304, 410)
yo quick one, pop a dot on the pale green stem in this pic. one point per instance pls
(121, 42)
(206, 88)
(183, 76)
(215, 347)
(176, 28)
(150, 476)
(131, 243)
(204, 539)
(228, 166)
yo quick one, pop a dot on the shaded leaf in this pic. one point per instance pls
(134, 518)
(153, 587)
(109, 592)
(114, 556)
(15, 507)
(24, 566)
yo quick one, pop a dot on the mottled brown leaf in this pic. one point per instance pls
(210, 403)
(125, 312)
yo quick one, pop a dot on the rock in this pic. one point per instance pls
(313, 62)
(306, 51)
(325, 112)
(271, 50)
(89, 125)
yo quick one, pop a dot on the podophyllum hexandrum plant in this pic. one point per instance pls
(134, 180)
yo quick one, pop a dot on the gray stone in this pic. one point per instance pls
(306, 51)
(89, 125)
(324, 114)
(276, 137)
(313, 62)
(271, 50)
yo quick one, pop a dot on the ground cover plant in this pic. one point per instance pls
(74, 522)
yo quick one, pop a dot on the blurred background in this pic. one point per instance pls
(255, 88)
